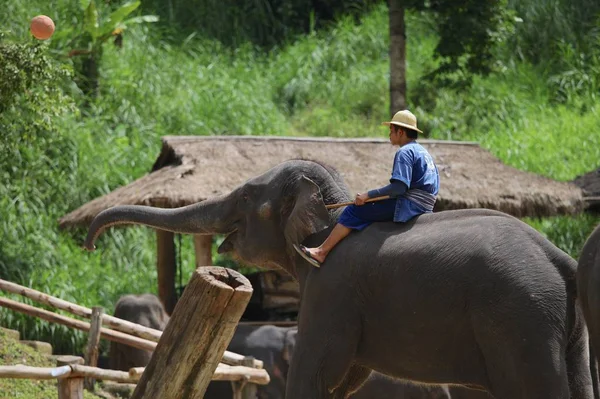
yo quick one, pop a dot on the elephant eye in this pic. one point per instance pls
(245, 196)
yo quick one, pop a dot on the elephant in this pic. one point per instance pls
(144, 309)
(588, 279)
(469, 297)
(271, 344)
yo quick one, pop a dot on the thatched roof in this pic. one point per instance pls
(193, 168)
(589, 183)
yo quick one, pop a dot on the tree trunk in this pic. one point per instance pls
(196, 336)
(397, 57)
(91, 74)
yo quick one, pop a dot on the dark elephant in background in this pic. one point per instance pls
(473, 297)
(144, 309)
(271, 344)
(588, 282)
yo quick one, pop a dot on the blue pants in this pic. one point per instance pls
(360, 217)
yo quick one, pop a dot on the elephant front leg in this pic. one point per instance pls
(321, 362)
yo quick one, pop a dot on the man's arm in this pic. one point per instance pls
(395, 189)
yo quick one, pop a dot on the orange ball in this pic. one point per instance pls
(42, 27)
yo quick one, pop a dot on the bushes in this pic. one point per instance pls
(262, 22)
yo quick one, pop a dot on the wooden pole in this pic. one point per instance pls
(341, 204)
(70, 387)
(222, 373)
(34, 373)
(165, 267)
(91, 353)
(203, 250)
(107, 320)
(103, 374)
(249, 389)
(202, 324)
(80, 325)
(152, 336)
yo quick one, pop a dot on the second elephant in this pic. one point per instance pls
(146, 310)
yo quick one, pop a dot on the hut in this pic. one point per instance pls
(193, 168)
(589, 183)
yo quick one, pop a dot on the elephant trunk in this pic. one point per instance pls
(212, 216)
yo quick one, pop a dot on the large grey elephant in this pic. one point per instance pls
(144, 309)
(469, 297)
(588, 281)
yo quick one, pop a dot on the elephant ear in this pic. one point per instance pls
(308, 214)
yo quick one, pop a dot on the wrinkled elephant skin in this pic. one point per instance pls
(469, 297)
(588, 282)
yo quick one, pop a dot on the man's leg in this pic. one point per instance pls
(358, 218)
(338, 233)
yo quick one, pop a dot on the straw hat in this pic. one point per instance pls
(405, 119)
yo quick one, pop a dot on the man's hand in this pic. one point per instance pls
(361, 198)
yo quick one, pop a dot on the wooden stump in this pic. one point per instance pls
(70, 387)
(200, 328)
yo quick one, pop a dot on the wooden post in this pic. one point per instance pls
(195, 339)
(203, 249)
(165, 266)
(70, 387)
(249, 389)
(91, 353)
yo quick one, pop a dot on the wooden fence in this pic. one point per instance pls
(215, 298)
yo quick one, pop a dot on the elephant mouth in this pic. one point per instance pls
(227, 244)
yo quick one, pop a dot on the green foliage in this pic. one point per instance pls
(469, 32)
(262, 22)
(12, 353)
(100, 31)
(330, 82)
(35, 149)
(567, 233)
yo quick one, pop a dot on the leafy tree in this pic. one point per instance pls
(263, 22)
(468, 31)
(96, 32)
(34, 149)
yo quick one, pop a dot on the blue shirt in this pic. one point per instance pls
(414, 166)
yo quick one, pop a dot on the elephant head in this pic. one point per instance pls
(262, 218)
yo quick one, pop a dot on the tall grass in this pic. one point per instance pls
(329, 83)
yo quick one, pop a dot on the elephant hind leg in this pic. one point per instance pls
(525, 363)
(354, 379)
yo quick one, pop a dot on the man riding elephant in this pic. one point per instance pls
(469, 297)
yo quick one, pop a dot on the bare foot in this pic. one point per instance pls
(317, 254)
